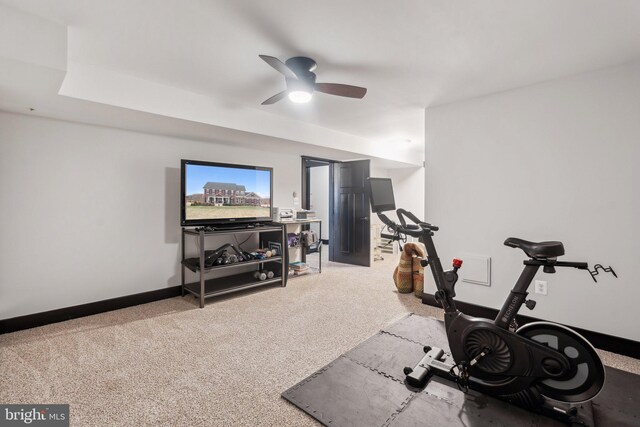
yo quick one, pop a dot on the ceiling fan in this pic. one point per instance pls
(301, 81)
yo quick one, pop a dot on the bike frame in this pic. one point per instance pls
(510, 307)
(445, 284)
(448, 304)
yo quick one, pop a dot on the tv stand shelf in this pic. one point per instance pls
(213, 287)
(193, 264)
(242, 279)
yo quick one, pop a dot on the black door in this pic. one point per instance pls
(351, 214)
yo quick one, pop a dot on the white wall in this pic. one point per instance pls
(554, 161)
(319, 200)
(90, 213)
(408, 189)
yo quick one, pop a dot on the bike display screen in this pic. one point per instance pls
(381, 195)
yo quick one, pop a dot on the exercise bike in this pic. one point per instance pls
(541, 366)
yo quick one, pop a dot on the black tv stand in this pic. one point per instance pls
(227, 277)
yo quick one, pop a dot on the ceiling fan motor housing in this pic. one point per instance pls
(301, 65)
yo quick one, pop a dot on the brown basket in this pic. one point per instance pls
(409, 274)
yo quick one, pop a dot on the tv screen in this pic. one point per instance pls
(214, 193)
(381, 194)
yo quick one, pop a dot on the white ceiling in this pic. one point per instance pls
(409, 54)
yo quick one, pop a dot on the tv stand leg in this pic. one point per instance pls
(201, 247)
(182, 266)
(284, 260)
(202, 292)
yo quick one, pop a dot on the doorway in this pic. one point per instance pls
(316, 191)
(336, 192)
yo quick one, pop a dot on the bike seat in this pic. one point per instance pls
(541, 250)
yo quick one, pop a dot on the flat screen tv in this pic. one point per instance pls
(218, 193)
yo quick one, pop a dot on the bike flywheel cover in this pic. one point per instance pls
(587, 375)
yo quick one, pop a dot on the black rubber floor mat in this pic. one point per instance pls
(345, 393)
(443, 405)
(618, 404)
(365, 387)
(384, 353)
(420, 329)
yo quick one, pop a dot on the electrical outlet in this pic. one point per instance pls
(540, 287)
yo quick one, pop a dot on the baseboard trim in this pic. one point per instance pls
(602, 341)
(60, 315)
(611, 343)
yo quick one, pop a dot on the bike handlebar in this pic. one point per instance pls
(415, 230)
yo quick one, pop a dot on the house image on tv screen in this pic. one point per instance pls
(223, 193)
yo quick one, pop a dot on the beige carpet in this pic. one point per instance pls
(169, 363)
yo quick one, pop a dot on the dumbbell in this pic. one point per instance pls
(269, 274)
(260, 275)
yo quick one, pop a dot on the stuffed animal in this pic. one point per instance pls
(409, 274)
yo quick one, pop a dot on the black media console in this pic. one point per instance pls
(232, 277)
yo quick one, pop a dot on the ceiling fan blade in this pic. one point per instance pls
(279, 65)
(341, 90)
(275, 98)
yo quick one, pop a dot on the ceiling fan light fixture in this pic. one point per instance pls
(300, 96)
(301, 83)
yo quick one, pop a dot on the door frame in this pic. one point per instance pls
(307, 163)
